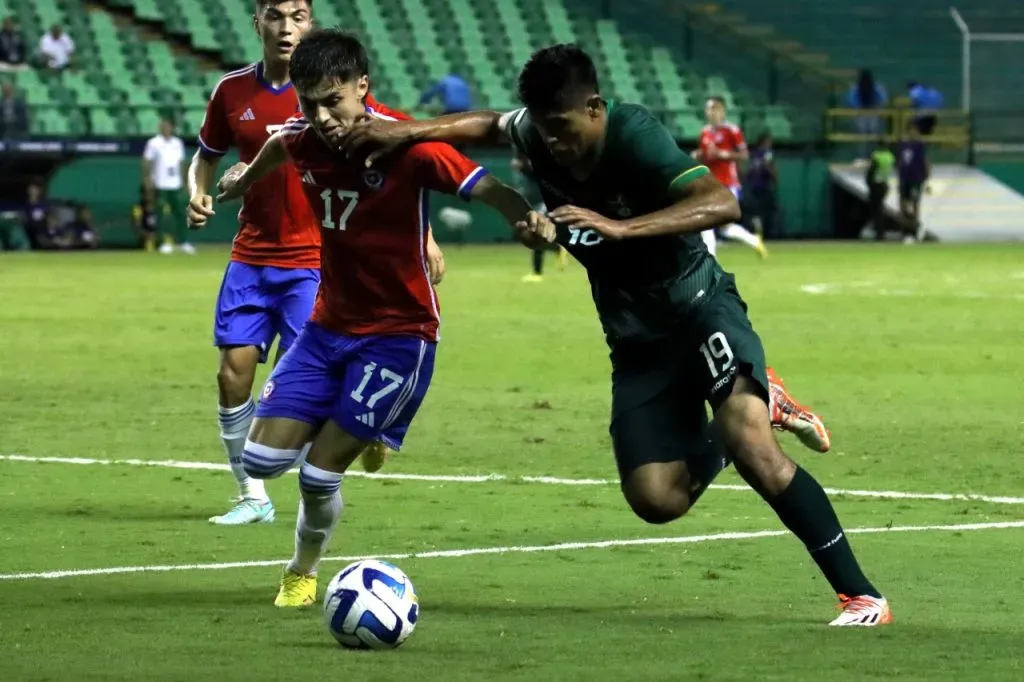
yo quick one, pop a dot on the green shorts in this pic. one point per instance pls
(660, 388)
(171, 202)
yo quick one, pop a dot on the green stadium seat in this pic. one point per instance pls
(412, 42)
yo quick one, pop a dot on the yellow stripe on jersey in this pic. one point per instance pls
(690, 174)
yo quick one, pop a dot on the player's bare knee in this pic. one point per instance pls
(658, 509)
(656, 503)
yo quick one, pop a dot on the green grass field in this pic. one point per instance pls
(913, 355)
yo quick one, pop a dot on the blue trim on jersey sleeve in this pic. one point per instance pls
(210, 151)
(469, 183)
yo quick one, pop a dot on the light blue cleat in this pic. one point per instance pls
(246, 511)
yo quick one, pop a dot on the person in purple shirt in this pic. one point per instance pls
(759, 187)
(914, 170)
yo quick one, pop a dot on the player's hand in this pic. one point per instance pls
(373, 137)
(716, 153)
(229, 185)
(200, 208)
(573, 216)
(536, 231)
(435, 261)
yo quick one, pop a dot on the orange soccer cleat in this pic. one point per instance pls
(789, 415)
(864, 611)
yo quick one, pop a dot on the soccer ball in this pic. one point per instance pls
(371, 605)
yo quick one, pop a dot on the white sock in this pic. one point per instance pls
(234, 428)
(319, 511)
(709, 241)
(741, 234)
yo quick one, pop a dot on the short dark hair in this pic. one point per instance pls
(328, 53)
(719, 99)
(258, 5)
(558, 78)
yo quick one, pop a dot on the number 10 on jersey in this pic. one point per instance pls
(348, 198)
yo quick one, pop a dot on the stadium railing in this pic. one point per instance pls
(953, 131)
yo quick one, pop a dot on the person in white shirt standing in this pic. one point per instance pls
(56, 48)
(163, 169)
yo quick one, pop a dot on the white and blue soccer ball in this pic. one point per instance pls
(371, 605)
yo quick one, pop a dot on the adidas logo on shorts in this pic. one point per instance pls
(365, 419)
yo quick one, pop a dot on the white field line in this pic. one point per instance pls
(875, 289)
(486, 478)
(457, 553)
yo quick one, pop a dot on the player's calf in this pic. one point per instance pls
(747, 431)
(236, 374)
(320, 507)
(793, 494)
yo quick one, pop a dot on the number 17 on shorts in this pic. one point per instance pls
(371, 386)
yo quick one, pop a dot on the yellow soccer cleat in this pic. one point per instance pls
(374, 456)
(762, 250)
(533, 278)
(296, 590)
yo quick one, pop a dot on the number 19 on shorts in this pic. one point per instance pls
(717, 354)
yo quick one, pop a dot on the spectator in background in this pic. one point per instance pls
(50, 235)
(760, 187)
(36, 213)
(12, 45)
(163, 170)
(145, 219)
(455, 94)
(81, 234)
(867, 94)
(926, 102)
(914, 171)
(13, 113)
(879, 172)
(56, 49)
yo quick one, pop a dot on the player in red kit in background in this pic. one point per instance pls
(721, 146)
(360, 368)
(271, 280)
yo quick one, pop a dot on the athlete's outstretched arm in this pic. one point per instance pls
(240, 177)
(699, 205)
(531, 228)
(200, 180)
(377, 137)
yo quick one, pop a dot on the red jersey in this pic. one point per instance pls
(726, 137)
(374, 275)
(277, 227)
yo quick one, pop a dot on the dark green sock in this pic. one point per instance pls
(807, 512)
(705, 466)
(538, 261)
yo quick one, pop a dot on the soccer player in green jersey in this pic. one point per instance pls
(630, 207)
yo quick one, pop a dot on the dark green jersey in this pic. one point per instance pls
(643, 288)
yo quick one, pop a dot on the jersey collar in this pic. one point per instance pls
(266, 84)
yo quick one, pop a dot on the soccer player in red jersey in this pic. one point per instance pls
(360, 367)
(721, 145)
(271, 280)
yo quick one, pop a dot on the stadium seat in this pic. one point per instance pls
(412, 42)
